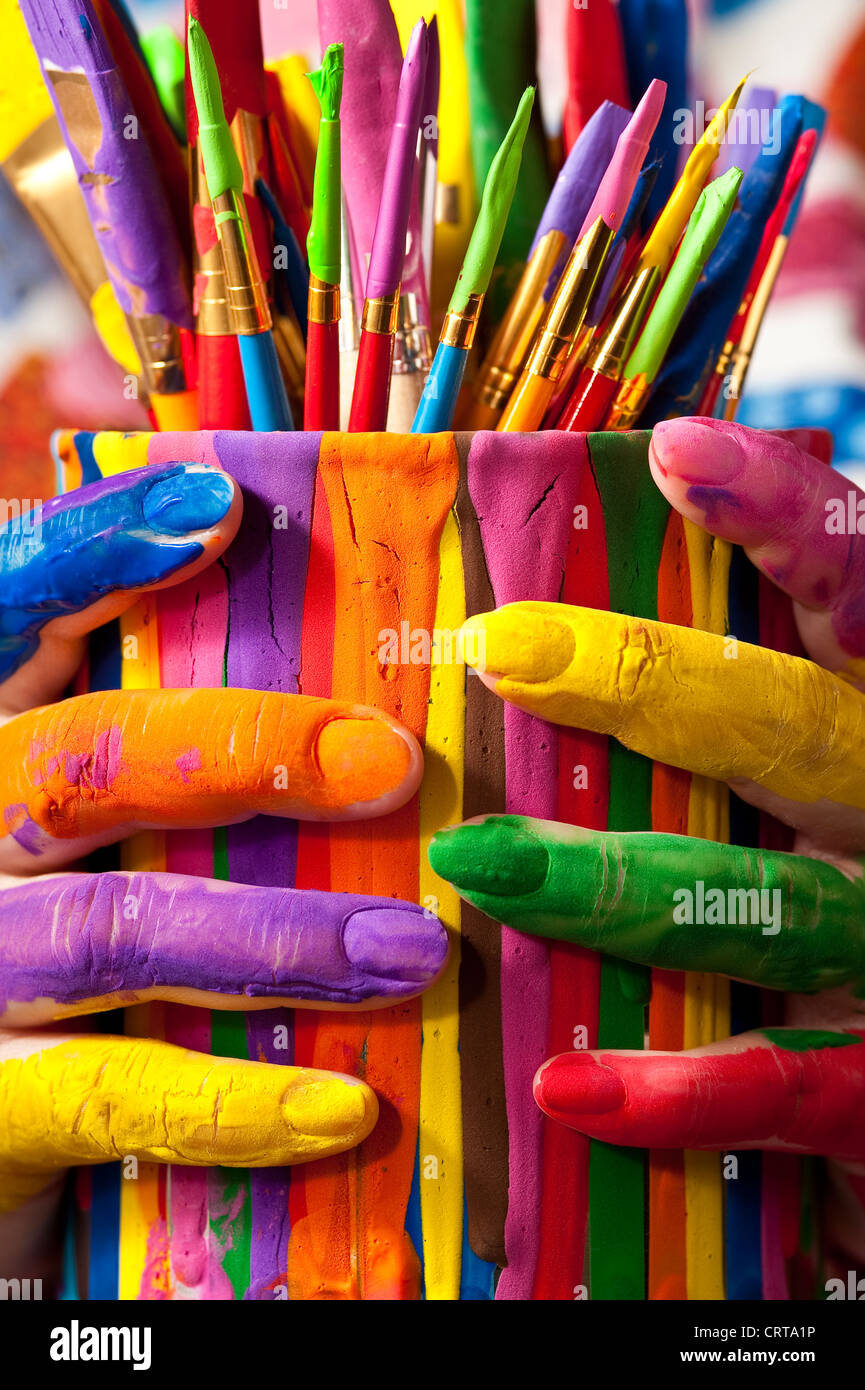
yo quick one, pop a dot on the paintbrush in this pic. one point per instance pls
(238, 55)
(321, 402)
(553, 242)
(595, 63)
(265, 389)
(771, 259)
(558, 333)
(39, 168)
(372, 381)
(455, 202)
(625, 247)
(125, 200)
(673, 218)
(596, 385)
(656, 46)
(442, 389)
(412, 355)
(429, 149)
(707, 221)
(153, 123)
(704, 328)
(373, 67)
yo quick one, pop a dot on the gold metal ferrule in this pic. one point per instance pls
(41, 171)
(212, 310)
(247, 295)
(615, 347)
(564, 318)
(157, 342)
(412, 351)
(460, 329)
(628, 405)
(513, 340)
(324, 304)
(381, 315)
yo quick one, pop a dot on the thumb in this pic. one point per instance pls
(80, 560)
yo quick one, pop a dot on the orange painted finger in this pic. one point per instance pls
(94, 769)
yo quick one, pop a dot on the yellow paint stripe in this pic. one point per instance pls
(707, 1007)
(139, 1199)
(441, 798)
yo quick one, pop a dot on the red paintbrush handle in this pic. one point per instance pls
(321, 397)
(221, 391)
(587, 409)
(371, 383)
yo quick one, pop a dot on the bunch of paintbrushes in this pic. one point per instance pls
(329, 221)
(602, 301)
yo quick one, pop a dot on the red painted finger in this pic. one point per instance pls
(778, 1088)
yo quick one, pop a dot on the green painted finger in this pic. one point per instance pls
(779, 920)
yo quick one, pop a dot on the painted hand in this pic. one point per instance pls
(789, 737)
(91, 770)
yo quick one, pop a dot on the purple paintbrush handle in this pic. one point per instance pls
(118, 177)
(373, 63)
(581, 173)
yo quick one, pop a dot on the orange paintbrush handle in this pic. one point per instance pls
(178, 411)
(528, 405)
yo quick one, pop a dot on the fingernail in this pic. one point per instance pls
(396, 943)
(704, 451)
(366, 760)
(326, 1105)
(578, 1084)
(499, 857)
(521, 641)
(188, 501)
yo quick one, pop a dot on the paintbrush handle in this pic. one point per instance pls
(589, 406)
(439, 400)
(371, 383)
(175, 411)
(321, 397)
(221, 390)
(265, 389)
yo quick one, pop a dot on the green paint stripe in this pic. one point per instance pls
(635, 518)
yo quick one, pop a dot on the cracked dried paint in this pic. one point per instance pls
(95, 1100)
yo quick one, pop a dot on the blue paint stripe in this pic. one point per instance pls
(104, 1229)
(744, 1260)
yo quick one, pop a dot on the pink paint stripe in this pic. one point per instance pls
(193, 622)
(771, 1244)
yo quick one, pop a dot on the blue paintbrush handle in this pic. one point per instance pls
(265, 389)
(439, 400)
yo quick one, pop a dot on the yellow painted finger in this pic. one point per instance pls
(98, 1099)
(692, 699)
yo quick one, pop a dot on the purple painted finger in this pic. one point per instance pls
(800, 522)
(77, 943)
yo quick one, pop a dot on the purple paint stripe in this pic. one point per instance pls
(266, 568)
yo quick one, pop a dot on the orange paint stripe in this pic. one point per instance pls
(388, 499)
